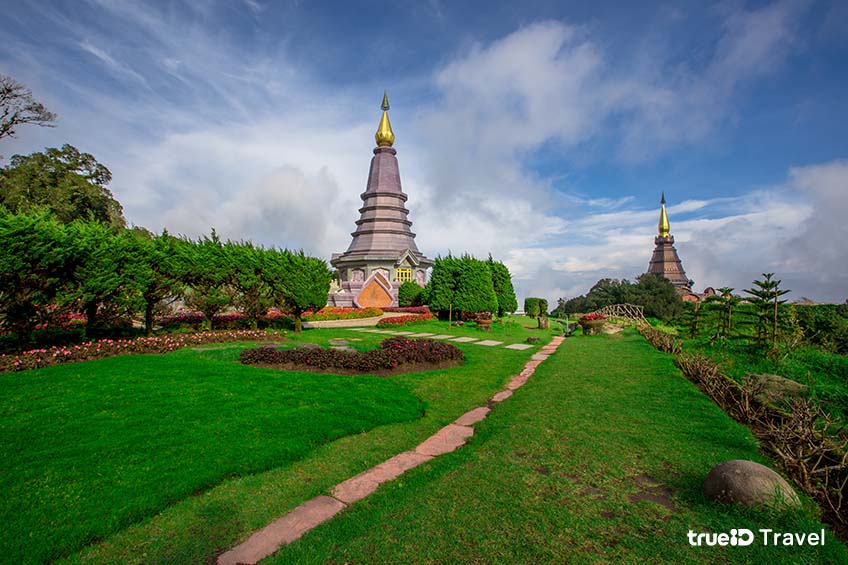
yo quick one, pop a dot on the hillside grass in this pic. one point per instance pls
(599, 458)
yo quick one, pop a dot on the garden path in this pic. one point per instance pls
(318, 510)
(448, 337)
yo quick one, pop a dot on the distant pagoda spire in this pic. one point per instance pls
(385, 136)
(665, 262)
(663, 226)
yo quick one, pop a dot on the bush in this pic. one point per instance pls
(338, 313)
(393, 353)
(401, 320)
(409, 294)
(408, 309)
(44, 357)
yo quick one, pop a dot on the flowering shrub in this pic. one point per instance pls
(338, 313)
(45, 357)
(408, 309)
(393, 353)
(400, 320)
(593, 316)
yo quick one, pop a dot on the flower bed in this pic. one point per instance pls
(36, 358)
(408, 309)
(401, 320)
(337, 313)
(394, 353)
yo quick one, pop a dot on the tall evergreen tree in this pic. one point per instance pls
(504, 291)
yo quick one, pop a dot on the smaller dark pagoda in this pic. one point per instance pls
(665, 262)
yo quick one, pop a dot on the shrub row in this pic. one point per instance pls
(401, 320)
(36, 358)
(393, 353)
(337, 313)
(408, 309)
(237, 320)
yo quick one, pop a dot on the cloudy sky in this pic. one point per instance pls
(542, 132)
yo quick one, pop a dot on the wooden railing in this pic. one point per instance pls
(627, 313)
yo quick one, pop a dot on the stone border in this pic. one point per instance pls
(292, 526)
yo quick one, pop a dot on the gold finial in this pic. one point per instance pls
(385, 136)
(663, 227)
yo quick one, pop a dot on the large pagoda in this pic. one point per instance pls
(382, 254)
(665, 262)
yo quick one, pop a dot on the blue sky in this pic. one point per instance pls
(542, 132)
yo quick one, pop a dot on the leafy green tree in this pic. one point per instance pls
(245, 265)
(475, 292)
(656, 295)
(18, 107)
(721, 306)
(766, 295)
(531, 307)
(504, 291)
(409, 294)
(69, 183)
(37, 259)
(537, 308)
(440, 291)
(297, 283)
(161, 266)
(104, 280)
(207, 277)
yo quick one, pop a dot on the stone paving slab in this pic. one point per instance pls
(363, 484)
(473, 416)
(519, 346)
(421, 335)
(445, 440)
(502, 395)
(538, 357)
(441, 336)
(283, 531)
(464, 339)
(518, 382)
(488, 342)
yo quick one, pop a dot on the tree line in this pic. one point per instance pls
(653, 292)
(49, 267)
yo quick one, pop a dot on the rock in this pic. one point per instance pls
(749, 484)
(774, 389)
(533, 339)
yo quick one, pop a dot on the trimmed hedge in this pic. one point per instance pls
(393, 353)
(401, 320)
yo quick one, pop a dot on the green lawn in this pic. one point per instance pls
(89, 448)
(175, 458)
(565, 471)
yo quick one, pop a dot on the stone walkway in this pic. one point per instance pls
(447, 337)
(311, 513)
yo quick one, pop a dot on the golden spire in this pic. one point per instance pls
(385, 136)
(663, 225)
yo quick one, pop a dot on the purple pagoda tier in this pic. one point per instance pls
(382, 254)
